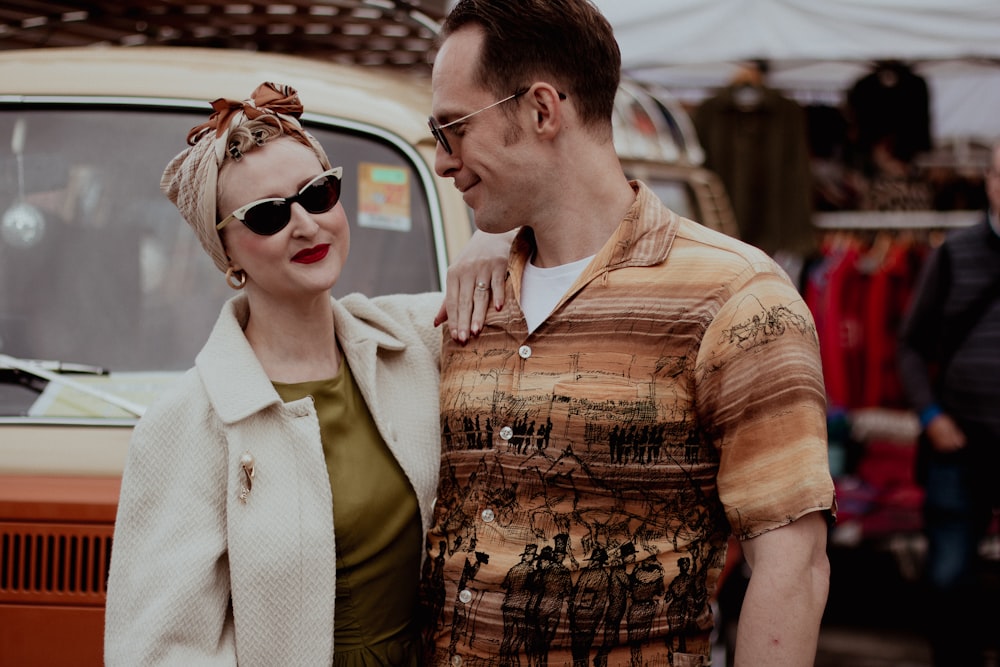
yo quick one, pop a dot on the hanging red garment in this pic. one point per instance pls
(891, 287)
(836, 292)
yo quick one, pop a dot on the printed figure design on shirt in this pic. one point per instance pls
(578, 495)
(772, 322)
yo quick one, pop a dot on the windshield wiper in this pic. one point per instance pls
(55, 366)
(49, 370)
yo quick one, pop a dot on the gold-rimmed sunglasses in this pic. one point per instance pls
(436, 128)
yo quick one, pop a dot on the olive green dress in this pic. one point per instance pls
(376, 526)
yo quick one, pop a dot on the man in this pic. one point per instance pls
(624, 326)
(950, 368)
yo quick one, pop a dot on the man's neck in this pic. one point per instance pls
(584, 228)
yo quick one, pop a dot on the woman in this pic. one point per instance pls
(284, 476)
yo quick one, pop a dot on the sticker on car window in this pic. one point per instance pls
(384, 197)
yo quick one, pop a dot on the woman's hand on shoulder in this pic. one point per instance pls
(475, 282)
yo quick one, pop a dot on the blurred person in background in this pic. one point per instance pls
(949, 361)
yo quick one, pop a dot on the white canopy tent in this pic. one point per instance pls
(695, 31)
(817, 50)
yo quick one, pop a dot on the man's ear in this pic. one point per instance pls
(547, 103)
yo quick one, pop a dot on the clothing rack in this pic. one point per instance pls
(890, 220)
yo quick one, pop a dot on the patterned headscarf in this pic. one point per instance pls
(191, 178)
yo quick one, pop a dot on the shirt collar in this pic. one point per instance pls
(643, 237)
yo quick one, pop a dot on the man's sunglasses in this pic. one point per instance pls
(437, 129)
(270, 216)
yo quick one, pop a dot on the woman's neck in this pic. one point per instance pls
(294, 343)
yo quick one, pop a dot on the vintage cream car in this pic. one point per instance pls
(106, 295)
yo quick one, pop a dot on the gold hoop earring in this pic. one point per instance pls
(236, 278)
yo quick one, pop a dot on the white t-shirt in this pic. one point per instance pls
(541, 289)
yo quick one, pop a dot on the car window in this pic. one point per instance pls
(98, 268)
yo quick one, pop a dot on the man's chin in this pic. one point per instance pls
(469, 197)
(488, 226)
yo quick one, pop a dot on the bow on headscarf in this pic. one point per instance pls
(190, 179)
(268, 99)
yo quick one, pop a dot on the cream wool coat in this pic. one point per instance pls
(200, 578)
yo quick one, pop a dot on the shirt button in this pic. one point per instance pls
(524, 351)
(488, 515)
(456, 661)
(465, 597)
(506, 433)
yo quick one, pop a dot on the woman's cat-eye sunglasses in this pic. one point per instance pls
(269, 216)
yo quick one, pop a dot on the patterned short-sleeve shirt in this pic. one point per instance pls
(593, 470)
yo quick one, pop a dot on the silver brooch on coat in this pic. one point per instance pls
(247, 469)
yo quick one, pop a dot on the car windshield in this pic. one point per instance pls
(99, 270)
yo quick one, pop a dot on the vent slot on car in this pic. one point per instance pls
(54, 563)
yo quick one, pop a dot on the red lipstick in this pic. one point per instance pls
(312, 255)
